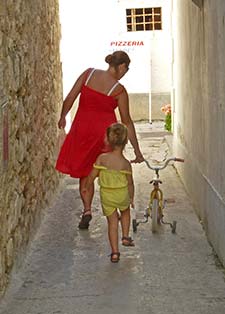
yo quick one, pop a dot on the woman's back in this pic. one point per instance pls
(101, 81)
(95, 113)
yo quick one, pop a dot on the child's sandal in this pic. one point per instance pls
(115, 257)
(127, 241)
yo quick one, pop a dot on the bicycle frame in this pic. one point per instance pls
(156, 202)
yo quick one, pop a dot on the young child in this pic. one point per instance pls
(116, 187)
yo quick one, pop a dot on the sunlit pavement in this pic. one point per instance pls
(68, 271)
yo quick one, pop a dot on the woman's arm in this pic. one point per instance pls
(123, 105)
(70, 98)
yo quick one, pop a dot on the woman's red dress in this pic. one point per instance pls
(85, 140)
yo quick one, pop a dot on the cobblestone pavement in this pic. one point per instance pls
(68, 271)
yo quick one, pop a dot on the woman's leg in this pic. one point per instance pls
(113, 231)
(86, 197)
(87, 201)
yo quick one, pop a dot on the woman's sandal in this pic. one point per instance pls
(85, 219)
(115, 257)
(127, 241)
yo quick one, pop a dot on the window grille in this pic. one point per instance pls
(144, 19)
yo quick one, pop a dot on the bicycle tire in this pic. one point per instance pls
(134, 225)
(154, 214)
(174, 224)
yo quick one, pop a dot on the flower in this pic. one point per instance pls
(167, 111)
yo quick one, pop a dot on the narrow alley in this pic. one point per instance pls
(68, 271)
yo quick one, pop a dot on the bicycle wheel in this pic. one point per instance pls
(174, 225)
(155, 208)
(134, 225)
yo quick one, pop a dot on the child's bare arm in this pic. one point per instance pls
(92, 176)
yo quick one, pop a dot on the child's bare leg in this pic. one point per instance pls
(113, 231)
(125, 224)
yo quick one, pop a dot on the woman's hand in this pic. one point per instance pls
(62, 123)
(139, 158)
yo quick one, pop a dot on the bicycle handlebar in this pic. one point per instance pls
(179, 159)
(157, 168)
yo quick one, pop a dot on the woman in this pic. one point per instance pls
(100, 94)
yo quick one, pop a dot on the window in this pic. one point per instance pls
(146, 19)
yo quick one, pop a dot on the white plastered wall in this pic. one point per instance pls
(199, 124)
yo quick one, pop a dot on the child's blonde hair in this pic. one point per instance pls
(117, 135)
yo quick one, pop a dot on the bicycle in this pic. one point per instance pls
(156, 203)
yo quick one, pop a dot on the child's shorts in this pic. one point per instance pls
(112, 199)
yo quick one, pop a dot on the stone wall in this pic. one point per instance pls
(30, 98)
(158, 100)
(199, 107)
(141, 109)
(139, 106)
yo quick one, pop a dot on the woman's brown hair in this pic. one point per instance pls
(117, 57)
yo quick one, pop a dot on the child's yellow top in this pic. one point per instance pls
(113, 189)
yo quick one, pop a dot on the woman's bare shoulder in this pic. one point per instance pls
(83, 76)
(86, 71)
(119, 91)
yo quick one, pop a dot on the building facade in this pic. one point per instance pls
(141, 28)
(145, 31)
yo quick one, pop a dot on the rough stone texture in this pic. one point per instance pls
(199, 107)
(143, 109)
(158, 100)
(30, 88)
(139, 106)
